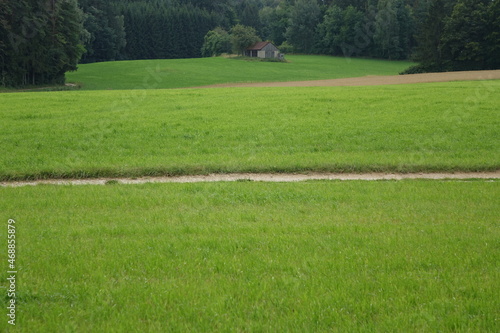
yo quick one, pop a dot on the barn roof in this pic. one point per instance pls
(258, 46)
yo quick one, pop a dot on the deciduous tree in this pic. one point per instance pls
(304, 18)
(216, 42)
(242, 37)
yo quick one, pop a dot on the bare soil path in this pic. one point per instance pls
(279, 177)
(374, 80)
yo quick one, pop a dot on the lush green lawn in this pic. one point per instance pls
(426, 127)
(304, 257)
(155, 74)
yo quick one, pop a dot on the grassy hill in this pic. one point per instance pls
(408, 128)
(177, 73)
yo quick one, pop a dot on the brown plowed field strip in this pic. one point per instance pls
(374, 80)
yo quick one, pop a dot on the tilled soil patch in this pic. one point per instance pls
(374, 80)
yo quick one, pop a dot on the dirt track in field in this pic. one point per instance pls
(278, 177)
(374, 80)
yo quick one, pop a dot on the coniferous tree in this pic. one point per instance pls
(6, 52)
(41, 41)
(250, 14)
(107, 31)
(67, 26)
(159, 29)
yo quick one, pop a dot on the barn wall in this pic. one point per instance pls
(268, 51)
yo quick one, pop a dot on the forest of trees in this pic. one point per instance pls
(42, 39)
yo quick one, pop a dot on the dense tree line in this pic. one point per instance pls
(41, 39)
(440, 35)
(387, 29)
(160, 31)
(144, 29)
(459, 35)
(106, 30)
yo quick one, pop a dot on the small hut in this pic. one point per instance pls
(264, 50)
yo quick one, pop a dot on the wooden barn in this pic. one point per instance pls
(263, 50)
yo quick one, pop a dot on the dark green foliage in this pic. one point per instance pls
(243, 37)
(441, 34)
(428, 52)
(304, 18)
(274, 22)
(249, 14)
(393, 30)
(40, 41)
(161, 31)
(358, 4)
(107, 31)
(493, 37)
(465, 37)
(216, 42)
(459, 35)
(285, 47)
(339, 30)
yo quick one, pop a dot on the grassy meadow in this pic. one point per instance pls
(408, 256)
(178, 73)
(317, 256)
(408, 128)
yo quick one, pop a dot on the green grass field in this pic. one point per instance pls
(409, 128)
(409, 256)
(157, 74)
(318, 256)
